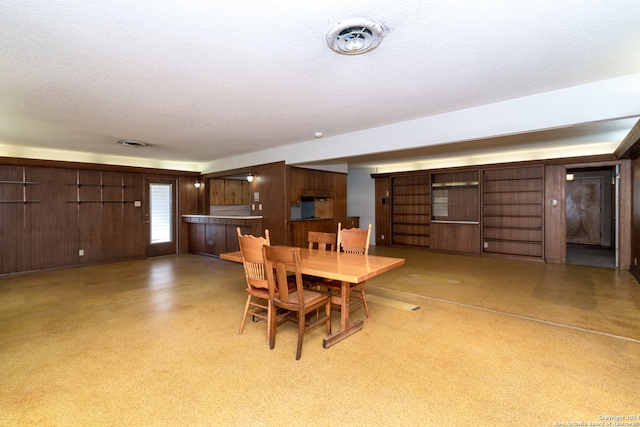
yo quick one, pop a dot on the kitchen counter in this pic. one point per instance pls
(222, 217)
(216, 234)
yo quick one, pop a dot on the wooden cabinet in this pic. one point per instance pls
(213, 236)
(513, 211)
(455, 238)
(411, 210)
(455, 212)
(197, 238)
(216, 191)
(233, 192)
(228, 191)
(454, 196)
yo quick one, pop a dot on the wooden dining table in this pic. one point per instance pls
(345, 267)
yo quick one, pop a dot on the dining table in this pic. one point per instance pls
(345, 267)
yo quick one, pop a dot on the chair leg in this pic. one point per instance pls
(301, 327)
(364, 300)
(328, 310)
(244, 315)
(272, 326)
(270, 319)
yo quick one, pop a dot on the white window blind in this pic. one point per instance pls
(160, 200)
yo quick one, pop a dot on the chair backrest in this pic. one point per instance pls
(322, 241)
(253, 258)
(354, 240)
(279, 260)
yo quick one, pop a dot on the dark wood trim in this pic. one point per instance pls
(630, 145)
(583, 160)
(227, 173)
(18, 161)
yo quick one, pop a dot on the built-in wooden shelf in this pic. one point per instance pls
(19, 201)
(21, 183)
(18, 182)
(513, 211)
(411, 211)
(97, 191)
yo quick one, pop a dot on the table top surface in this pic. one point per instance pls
(350, 268)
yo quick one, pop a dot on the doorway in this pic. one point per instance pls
(591, 216)
(160, 217)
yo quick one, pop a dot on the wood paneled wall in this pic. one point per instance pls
(554, 214)
(522, 211)
(36, 224)
(304, 181)
(301, 181)
(635, 219)
(270, 183)
(48, 214)
(383, 211)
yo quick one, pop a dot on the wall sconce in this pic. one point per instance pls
(569, 177)
(251, 176)
(197, 184)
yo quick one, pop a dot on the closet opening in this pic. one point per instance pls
(592, 211)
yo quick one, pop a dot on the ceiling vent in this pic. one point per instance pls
(355, 36)
(132, 144)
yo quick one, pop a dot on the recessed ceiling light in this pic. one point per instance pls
(130, 143)
(317, 134)
(355, 36)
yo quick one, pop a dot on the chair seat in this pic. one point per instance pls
(258, 293)
(279, 260)
(310, 297)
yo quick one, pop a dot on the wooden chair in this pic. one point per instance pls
(355, 241)
(321, 241)
(259, 303)
(279, 260)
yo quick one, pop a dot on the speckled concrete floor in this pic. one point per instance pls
(155, 343)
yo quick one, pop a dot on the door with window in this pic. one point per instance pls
(160, 217)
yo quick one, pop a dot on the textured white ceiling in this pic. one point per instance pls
(205, 80)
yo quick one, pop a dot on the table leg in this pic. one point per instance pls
(345, 328)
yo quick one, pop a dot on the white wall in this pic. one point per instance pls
(598, 101)
(361, 191)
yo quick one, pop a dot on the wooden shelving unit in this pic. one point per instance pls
(455, 212)
(102, 192)
(455, 197)
(411, 210)
(513, 202)
(16, 192)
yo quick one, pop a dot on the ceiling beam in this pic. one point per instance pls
(630, 145)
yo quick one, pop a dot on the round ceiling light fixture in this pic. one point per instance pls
(355, 36)
(131, 143)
